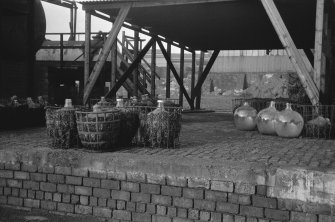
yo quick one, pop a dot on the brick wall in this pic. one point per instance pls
(137, 196)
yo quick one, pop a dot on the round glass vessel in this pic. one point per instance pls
(245, 117)
(266, 120)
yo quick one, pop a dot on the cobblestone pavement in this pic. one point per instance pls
(213, 136)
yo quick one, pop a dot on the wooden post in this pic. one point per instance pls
(113, 66)
(181, 74)
(105, 50)
(198, 93)
(292, 51)
(193, 75)
(136, 72)
(61, 51)
(168, 72)
(87, 63)
(31, 52)
(153, 71)
(71, 25)
(75, 21)
(123, 43)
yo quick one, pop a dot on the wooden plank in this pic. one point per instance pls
(319, 29)
(105, 51)
(197, 92)
(193, 75)
(87, 46)
(114, 66)
(293, 53)
(153, 71)
(136, 72)
(175, 74)
(168, 73)
(131, 68)
(181, 74)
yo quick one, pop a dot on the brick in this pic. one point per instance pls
(228, 218)
(15, 201)
(80, 190)
(251, 211)
(91, 182)
(303, 217)
(181, 212)
(48, 205)
(130, 206)
(150, 188)
(161, 200)
(171, 211)
(66, 198)
(102, 202)
(120, 205)
(55, 178)
(23, 193)
(171, 191)
(259, 201)
(161, 210)
(205, 216)
(49, 187)
(111, 203)
(94, 201)
(141, 217)
(84, 200)
(277, 214)
(15, 192)
(156, 179)
(244, 188)
(176, 181)
(121, 215)
(116, 175)
(216, 217)
(73, 180)
(110, 184)
(182, 202)
(130, 186)
(38, 177)
(31, 203)
(98, 192)
(64, 188)
(31, 194)
(2, 166)
(193, 214)
(98, 174)
(31, 185)
(136, 177)
(140, 197)
(252, 219)
(120, 195)
(14, 183)
(3, 200)
(151, 208)
(21, 175)
(63, 207)
(261, 190)
(227, 207)
(79, 172)
(7, 191)
(48, 196)
(198, 183)
(39, 195)
(141, 208)
(6, 174)
(74, 199)
(322, 218)
(215, 195)
(193, 193)
(102, 212)
(63, 170)
(176, 219)
(2, 182)
(46, 169)
(204, 205)
(12, 166)
(316, 208)
(159, 218)
(224, 186)
(238, 218)
(57, 197)
(86, 210)
(29, 168)
(239, 199)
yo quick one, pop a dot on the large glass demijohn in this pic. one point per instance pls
(245, 117)
(266, 120)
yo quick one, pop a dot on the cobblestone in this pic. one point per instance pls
(211, 136)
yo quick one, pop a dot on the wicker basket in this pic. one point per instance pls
(129, 125)
(98, 130)
(61, 127)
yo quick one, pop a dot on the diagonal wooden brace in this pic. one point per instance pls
(105, 51)
(293, 53)
(131, 68)
(175, 74)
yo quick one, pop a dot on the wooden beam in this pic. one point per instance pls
(193, 75)
(87, 47)
(153, 71)
(114, 66)
(131, 68)
(168, 73)
(31, 51)
(292, 51)
(181, 74)
(136, 72)
(197, 92)
(105, 50)
(175, 74)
